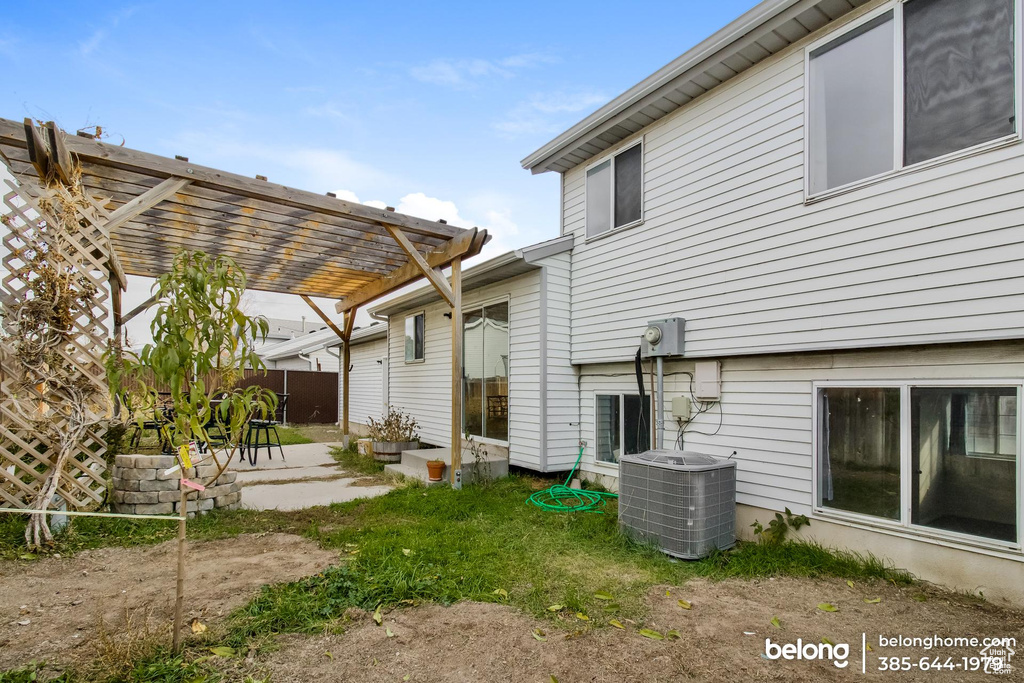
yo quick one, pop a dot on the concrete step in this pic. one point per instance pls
(410, 472)
(414, 464)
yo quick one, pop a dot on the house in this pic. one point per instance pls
(520, 397)
(317, 350)
(280, 330)
(829, 192)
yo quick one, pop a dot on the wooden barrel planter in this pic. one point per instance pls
(391, 451)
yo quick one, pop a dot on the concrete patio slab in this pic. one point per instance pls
(320, 480)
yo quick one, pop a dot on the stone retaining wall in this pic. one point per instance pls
(141, 486)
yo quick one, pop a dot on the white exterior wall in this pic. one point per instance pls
(366, 380)
(927, 256)
(767, 406)
(423, 389)
(562, 390)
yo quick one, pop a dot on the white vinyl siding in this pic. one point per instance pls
(563, 398)
(366, 380)
(728, 243)
(424, 389)
(767, 407)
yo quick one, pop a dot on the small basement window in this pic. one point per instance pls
(414, 330)
(623, 426)
(615, 192)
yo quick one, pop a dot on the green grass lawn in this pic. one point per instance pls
(483, 543)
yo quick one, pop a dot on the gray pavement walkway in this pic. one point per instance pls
(306, 477)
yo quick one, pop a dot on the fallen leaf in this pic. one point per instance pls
(553, 679)
(198, 626)
(827, 607)
(27, 556)
(667, 593)
(826, 641)
(539, 635)
(616, 623)
(921, 597)
(329, 655)
(406, 552)
(673, 635)
(502, 592)
(611, 607)
(388, 632)
(685, 605)
(555, 608)
(872, 601)
(377, 616)
(406, 676)
(776, 623)
(870, 649)
(653, 635)
(582, 617)
(601, 595)
(223, 651)
(849, 583)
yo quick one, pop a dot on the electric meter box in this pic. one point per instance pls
(663, 338)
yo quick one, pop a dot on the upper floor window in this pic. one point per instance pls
(881, 99)
(615, 191)
(414, 331)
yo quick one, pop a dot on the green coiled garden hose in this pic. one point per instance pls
(562, 498)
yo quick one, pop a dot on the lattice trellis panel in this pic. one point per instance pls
(25, 454)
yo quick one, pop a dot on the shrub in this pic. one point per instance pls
(394, 426)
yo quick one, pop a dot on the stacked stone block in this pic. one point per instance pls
(143, 487)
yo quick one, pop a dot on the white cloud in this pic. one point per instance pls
(542, 112)
(464, 73)
(90, 44)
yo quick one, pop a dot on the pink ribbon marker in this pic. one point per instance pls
(192, 485)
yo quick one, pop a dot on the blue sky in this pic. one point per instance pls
(425, 106)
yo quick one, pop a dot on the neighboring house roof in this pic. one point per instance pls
(321, 339)
(286, 329)
(768, 28)
(503, 267)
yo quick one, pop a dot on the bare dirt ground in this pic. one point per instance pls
(52, 608)
(475, 642)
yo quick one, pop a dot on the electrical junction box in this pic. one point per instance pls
(707, 380)
(663, 338)
(681, 408)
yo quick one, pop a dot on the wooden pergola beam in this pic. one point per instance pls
(145, 201)
(323, 316)
(138, 309)
(103, 154)
(465, 245)
(435, 278)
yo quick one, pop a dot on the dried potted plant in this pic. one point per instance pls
(435, 470)
(393, 433)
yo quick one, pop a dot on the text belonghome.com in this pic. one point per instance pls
(990, 655)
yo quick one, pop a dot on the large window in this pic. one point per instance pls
(615, 192)
(414, 330)
(485, 371)
(929, 457)
(623, 426)
(881, 99)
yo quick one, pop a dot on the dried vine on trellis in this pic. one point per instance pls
(53, 391)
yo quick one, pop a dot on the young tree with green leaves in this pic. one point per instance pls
(202, 342)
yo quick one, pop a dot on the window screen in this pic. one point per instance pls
(959, 84)
(609, 422)
(627, 186)
(599, 187)
(851, 106)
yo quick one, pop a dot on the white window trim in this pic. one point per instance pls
(904, 527)
(404, 319)
(896, 7)
(611, 195)
(506, 298)
(622, 424)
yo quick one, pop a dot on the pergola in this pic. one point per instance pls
(286, 240)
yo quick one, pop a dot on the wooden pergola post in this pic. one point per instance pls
(457, 332)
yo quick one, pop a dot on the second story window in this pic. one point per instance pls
(880, 98)
(615, 191)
